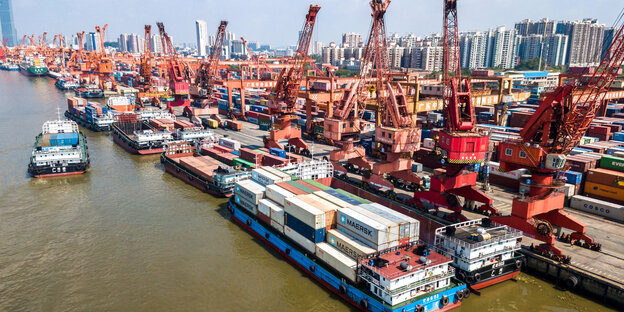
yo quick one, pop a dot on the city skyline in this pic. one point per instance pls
(256, 21)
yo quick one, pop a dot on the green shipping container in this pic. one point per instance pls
(260, 151)
(244, 163)
(301, 187)
(612, 162)
(322, 186)
(354, 197)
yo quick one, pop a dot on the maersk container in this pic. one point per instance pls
(249, 190)
(348, 244)
(363, 227)
(375, 246)
(391, 228)
(305, 212)
(251, 207)
(264, 177)
(408, 226)
(314, 235)
(346, 266)
(598, 207)
(278, 194)
(299, 239)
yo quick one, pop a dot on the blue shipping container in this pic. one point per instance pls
(618, 136)
(305, 230)
(425, 134)
(573, 177)
(277, 152)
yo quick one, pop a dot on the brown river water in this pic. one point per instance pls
(126, 236)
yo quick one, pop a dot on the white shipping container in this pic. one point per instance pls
(264, 177)
(391, 227)
(337, 260)
(410, 229)
(332, 199)
(277, 214)
(515, 174)
(375, 246)
(306, 213)
(349, 245)
(277, 226)
(264, 206)
(278, 194)
(229, 143)
(598, 207)
(299, 239)
(285, 176)
(429, 143)
(249, 190)
(246, 205)
(363, 227)
(323, 205)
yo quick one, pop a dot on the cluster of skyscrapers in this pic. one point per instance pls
(572, 43)
(133, 43)
(232, 47)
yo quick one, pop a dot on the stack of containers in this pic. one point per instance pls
(304, 223)
(599, 207)
(368, 230)
(230, 143)
(250, 156)
(248, 194)
(607, 182)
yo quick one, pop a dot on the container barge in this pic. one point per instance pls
(203, 172)
(89, 92)
(137, 136)
(367, 254)
(92, 116)
(66, 84)
(484, 253)
(59, 150)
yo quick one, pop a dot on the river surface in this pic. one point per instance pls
(126, 236)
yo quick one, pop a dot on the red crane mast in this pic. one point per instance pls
(208, 71)
(283, 103)
(553, 131)
(460, 143)
(178, 77)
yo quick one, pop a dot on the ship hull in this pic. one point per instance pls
(85, 124)
(56, 171)
(124, 142)
(491, 275)
(33, 72)
(349, 293)
(179, 172)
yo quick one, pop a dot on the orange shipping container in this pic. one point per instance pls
(606, 177)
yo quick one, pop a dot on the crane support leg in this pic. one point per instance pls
(471, 193)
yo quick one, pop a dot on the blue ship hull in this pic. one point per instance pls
(346, 291)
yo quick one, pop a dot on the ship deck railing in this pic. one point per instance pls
(426, 280)
(452, 252)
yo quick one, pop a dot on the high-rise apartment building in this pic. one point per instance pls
(7, 23)
(201, 29)
(585, 43)
(352, 40)
(123, 42)
(93, 42)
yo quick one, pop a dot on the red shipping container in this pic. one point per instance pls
(291, 188)
(211, 152)
(252, 114)
(272, 160)
(234, 125)
(597, 129)
(606, 177)
(250, 155)
(264, 117)
(223, 149)
(593, 148)
(308, 185)
(294, 158)
(266, 219)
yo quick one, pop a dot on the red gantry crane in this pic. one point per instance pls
(397, 137)
(555, 128)
(208, 71)
(178, 76)
(283, 103)
(145, 70)
(461, 144)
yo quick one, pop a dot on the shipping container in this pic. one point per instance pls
(598, 207)
(314, 235)
(323, 205)
(612, 162)
(333, 199)
(365, 228)
(234, 125)
(308, 214)
(301, 187)
(250, 190)
(349, 245)
(276, 225)
(250, 155)
(243, 163)
(275, 211)
(606, 177)
(278, 194)
(372, 245)
(277, 152)
(360, 200)
(317, 184)
(340, 262)
(230, 143)
(348, 199)
(251, 207)
(283, 175)
(605, 191)
(409, 227)
(573, 177)
(272, 160)
(299, 239)
(264, 177)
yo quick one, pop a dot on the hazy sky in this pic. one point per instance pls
(277, 22)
